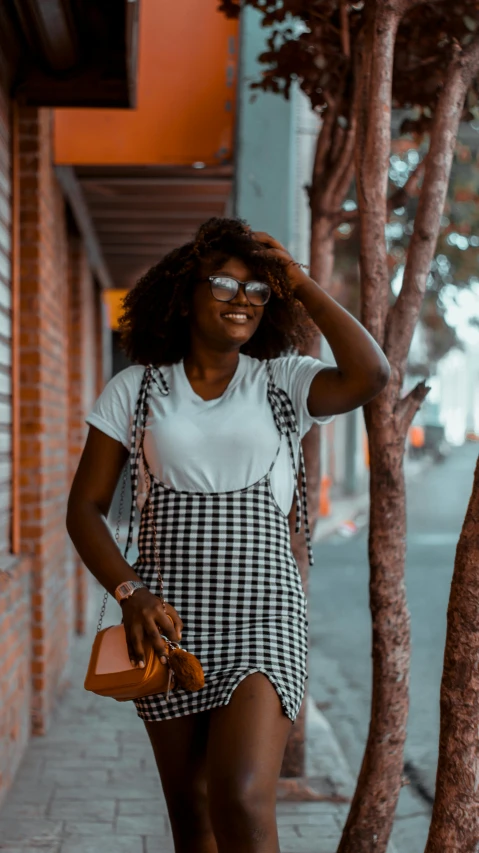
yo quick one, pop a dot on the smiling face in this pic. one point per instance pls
(224, 325)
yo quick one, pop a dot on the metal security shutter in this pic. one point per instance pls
(5, 330)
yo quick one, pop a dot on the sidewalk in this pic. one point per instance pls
(91, 786)
(350, 513)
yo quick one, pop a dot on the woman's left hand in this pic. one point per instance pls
(274, 249)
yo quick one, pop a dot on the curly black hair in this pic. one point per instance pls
(154, 325)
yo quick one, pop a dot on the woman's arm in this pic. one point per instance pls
(92, 490)
(362, 368)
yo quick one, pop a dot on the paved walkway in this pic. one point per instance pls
(91, 786)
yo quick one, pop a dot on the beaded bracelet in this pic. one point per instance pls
(297, 264)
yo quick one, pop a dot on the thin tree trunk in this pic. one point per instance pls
(294, 757)
(372, 812)
(455, 818)
(370, 820)
(321, 270)
(388, 416)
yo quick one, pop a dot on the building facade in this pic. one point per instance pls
(52, 335)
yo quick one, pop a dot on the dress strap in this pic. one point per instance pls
(286, 423)
(151, 374)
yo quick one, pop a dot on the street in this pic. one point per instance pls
(340, 632)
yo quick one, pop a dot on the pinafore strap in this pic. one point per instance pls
(286, 424)
(150, 374)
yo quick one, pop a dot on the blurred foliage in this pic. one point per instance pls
(456, 262)
(314, 42)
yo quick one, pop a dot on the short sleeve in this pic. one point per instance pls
(294, 374)
(114, 409)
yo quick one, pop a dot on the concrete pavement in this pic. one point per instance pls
(340, 632)
(91, 786)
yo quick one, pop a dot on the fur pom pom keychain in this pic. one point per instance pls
(185, 669)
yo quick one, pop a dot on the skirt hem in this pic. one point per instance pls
(220, 701)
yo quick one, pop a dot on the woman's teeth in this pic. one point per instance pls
(237, 318)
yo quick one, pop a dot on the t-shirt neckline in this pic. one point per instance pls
(233, 381)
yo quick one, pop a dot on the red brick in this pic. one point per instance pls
(60, 374)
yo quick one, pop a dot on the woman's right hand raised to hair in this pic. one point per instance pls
(145, 617)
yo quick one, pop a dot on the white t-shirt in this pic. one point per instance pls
(217, 445)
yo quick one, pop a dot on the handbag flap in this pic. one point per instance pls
(110, 672)
(113, 652)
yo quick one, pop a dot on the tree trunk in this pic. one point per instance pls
(294, 757)
(371, 816)
(388, 416)
(325, 204)
(455, 818)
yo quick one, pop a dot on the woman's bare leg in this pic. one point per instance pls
(180, 747)
(246, 744)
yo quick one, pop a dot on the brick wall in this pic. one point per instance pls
(84, 357)
(43, 589)
(15, 638)
(44, 410)
(5, 317)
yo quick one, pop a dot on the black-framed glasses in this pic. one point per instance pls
(224, 288)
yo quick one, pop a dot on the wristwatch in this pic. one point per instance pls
(127, 588)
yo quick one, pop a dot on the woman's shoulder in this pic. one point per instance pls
(126, 381)
(284, 369)
(122, 389)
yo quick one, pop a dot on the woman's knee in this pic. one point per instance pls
(241, 809)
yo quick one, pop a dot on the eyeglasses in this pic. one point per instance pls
(224, 288)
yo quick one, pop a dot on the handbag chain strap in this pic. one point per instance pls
(117, 537)
(151, 518)
(153, 527)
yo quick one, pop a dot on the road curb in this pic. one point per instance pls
(325, 757)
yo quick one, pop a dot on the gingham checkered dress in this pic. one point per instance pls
(228, 570)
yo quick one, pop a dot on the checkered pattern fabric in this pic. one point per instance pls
(229, 571)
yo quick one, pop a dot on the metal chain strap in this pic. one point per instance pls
(156, 547)
(153, 527)
(117, 537)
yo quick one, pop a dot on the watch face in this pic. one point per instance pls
(124, 590)
(127, 588)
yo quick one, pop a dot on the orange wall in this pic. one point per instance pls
(186, 93)
(113, 298)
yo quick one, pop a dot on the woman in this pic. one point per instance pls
(212, 411)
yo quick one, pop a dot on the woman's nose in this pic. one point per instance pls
(241, 295)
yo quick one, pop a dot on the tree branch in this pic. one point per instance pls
(345, 34)
(345, 166)
(410, 188)
(403, 315)
(323, 144)
(407, 406)
(397, 199)
(372, 163)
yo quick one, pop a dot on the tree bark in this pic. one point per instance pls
(370, 820)
(455, 818)
(404, 313)
(330, 184)
(372, 160)
(388, 416)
